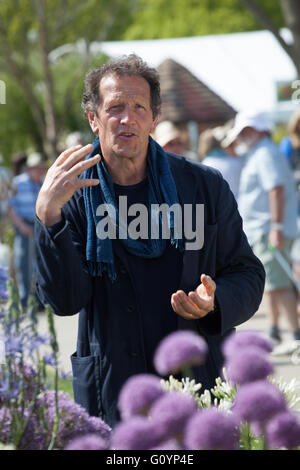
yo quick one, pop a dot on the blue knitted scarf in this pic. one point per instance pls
(162, 189)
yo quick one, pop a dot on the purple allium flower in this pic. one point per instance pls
(73, 419)
(137, 433)
(248, 365)
(87, 442)
(179, 350)
(138, 393)
(212, 429)
(244, 339)
(171, 444)
(283, 430)
(258, 401)
(30, 439)
(171, 412)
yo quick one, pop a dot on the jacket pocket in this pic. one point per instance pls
(86, 383)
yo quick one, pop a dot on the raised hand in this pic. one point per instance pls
(197, 303)
(62, 181)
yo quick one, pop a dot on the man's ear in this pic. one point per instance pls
(153, 125)
(93, 122)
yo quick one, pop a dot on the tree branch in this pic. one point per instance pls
(267, 23)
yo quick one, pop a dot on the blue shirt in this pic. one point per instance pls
(264, 169)
(25, 198)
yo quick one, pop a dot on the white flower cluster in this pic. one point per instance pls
(223, 394)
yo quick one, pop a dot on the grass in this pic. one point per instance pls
(63, 384)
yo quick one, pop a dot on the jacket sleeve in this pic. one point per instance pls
(240, 276)
(62, 278)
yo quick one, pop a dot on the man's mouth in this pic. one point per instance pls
(127, 135)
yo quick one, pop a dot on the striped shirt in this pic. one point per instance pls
(23, 202)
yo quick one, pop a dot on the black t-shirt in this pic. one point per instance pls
(155, 280)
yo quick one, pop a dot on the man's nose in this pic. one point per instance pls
(128, 116)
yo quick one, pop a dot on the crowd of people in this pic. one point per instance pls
(265, 180)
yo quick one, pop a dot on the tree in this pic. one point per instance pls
(291, 13)
(30, 29)
(154, 19)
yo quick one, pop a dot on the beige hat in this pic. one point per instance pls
(35, 159)
(165, 132)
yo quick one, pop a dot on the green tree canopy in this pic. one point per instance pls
(156, 19)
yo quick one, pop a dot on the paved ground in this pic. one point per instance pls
(66, 328)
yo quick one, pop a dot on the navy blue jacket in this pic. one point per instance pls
(110, 345)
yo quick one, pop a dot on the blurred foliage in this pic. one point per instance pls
(67, 21)
(180, 18)
(22, 68)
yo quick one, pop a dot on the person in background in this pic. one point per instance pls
(213, 154)
(21, 211)
(74, 138)
(290, 147)
(168, 136)
(19, 163)
(268, 205)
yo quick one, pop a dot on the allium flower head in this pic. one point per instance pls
(258, 401)
(137, 433)
(247, 366)
(244, 339)
(212, 429)
(179, 350)
(283, 430)
(74, 421)
(171, 412)
(171, 444)
(87, 442)
(138, 393)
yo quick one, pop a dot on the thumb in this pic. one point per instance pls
(208, 283)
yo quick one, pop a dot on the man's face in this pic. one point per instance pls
(124, 118)
(37, 173)
(174, 146)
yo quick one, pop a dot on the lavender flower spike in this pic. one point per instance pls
(179, 350)
(212, 429)
(138, 393)
(171, 412)
(247, 366)
(87, 442)
(244, 339)
(258, 402)
(283, 431)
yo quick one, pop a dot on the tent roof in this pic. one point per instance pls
(242, 68)
(185, 98)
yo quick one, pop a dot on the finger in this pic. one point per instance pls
(80, 167)
(84, 183)
(204, 306)
(76, 156)
(185, 304)
(179, 310)
(66, 153)
(208, 283)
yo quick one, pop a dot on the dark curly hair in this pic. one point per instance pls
(131, 65)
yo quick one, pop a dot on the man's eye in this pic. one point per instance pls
(115, 107)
